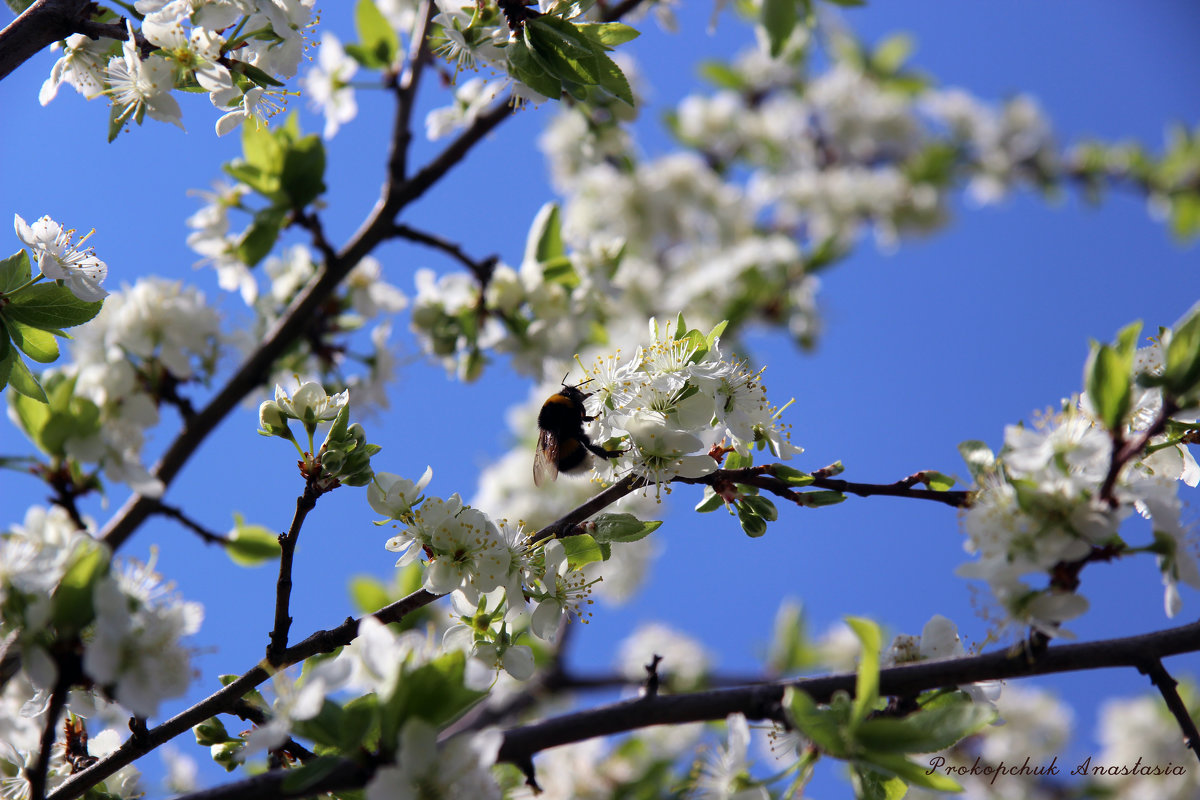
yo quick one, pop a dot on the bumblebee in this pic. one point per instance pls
(562, 444)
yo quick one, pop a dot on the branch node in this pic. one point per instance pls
(652, 680)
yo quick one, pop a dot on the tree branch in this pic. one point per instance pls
(305, 503)
(226, 699)
(762, 701)
(39, 26)
(1166, 686)
(41, 768)
(207, 536)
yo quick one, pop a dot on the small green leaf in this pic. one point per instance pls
(259, 238)
(1181, 371)
(368, 594)
(979, 457)
(303, 173)
(762, 507)
(928, 729)
(256, 75)
(376, 35)
(793, 477)
(821, 498)
(15, 271)
(866, 689)
(582, 549)
(608, 34)
(891, 53)
(910, 773)
(778, 20)
(822, 725)
(710, 502)
(937, 481)
(251, 545)
(71, 605)
(211, 731)
(544, 242)
(622, 528)
(752, 524)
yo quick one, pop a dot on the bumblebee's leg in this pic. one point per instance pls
(600, 451)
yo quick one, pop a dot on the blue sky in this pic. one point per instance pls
(949, 338)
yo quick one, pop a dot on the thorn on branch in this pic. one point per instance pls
(526, 767)
(652, 679)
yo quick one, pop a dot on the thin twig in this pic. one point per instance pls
(305, 503)
(1166, 684)
(41, 768)
(207, 536)
(481, 269)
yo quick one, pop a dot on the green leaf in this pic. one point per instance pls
(892, 52)
(613, 80)
(866, 687)
(312, 772)
(736, 460)
(50, 307)
(793, 477)
(38, 344)
(582, 549)
(544, 242)
(562, 49)
(752, 524)
(251, 545)
(822, 725)
(1181, 372)
(622, 528)
(937, 481)
(211, 731)
(256, 75)
(778, 20)
(710, 502)
(821, 498)
(71, 606)
(303, 172)
(376, 36)
(911, 773)
(524, 67)
(15, 271)
(433, 692)
(870, 784)
(927, 730)
(979, 457)
(368, 594)
(22, 380)
(762, 507)
(1108, 377)
(608, 34)
(259, 238)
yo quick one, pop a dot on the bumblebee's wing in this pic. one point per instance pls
(545, 459)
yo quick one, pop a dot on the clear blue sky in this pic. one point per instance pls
(950, 338)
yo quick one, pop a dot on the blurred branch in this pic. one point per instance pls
(207, 536)
(482, 270)
(763, 701)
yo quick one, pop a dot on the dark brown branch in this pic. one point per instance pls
(39, 26)
(763, 701)
(1125, 451)
(207, 536)
(1166, 684)
(305, 503)
(482, 270)
(345, 775)
(227, 698)
(252, 713)
(41, 768)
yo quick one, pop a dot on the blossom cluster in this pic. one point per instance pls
(675, 400)
(1039, 504)
(148, 340)
(128, 627)
(784, 169)
(237, 52)
(495, 571)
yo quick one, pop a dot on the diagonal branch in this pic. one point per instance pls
(227, 698)
(39, 26)
(1166, 687)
